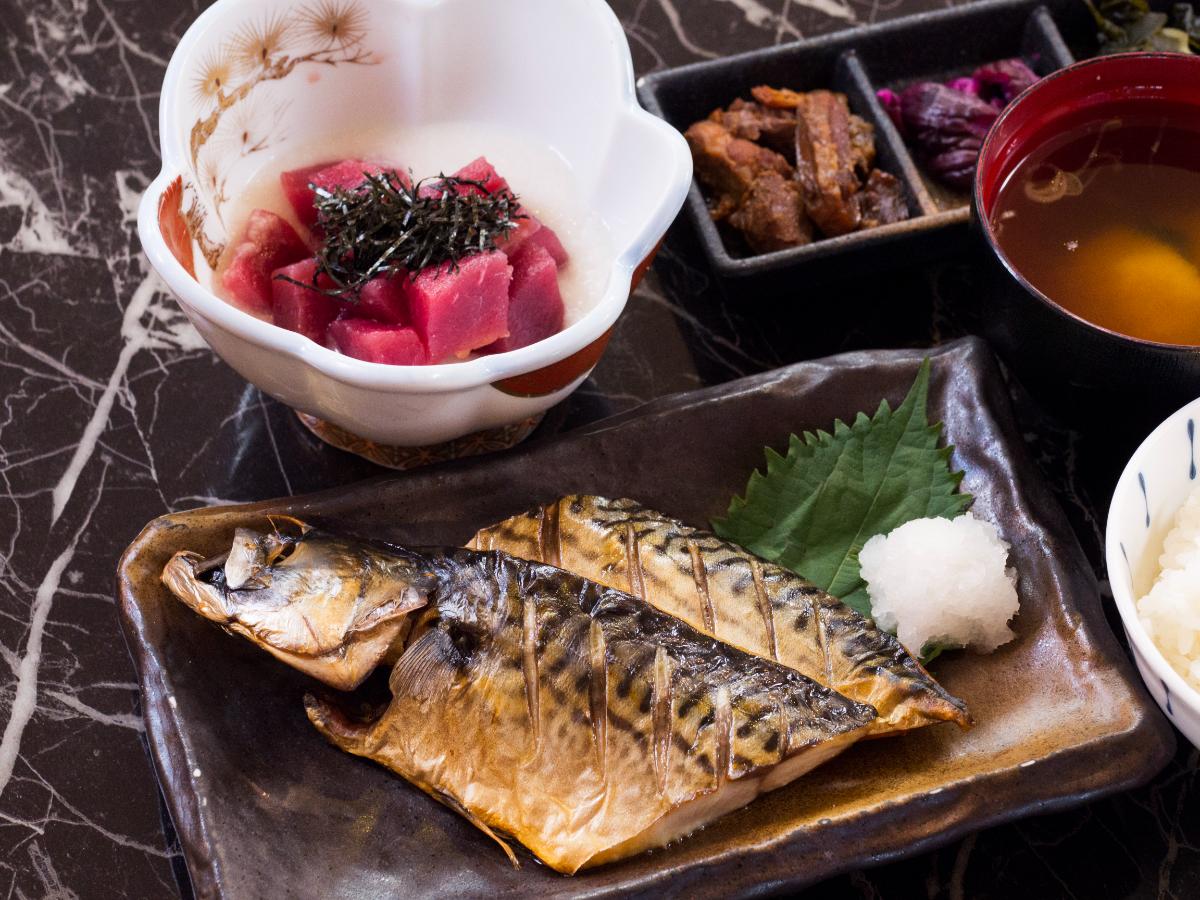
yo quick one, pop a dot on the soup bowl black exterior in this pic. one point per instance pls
(1080, 368)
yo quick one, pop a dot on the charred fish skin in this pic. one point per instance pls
(330, 607)
(723, 590)
(581, 721)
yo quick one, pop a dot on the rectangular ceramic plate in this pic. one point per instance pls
(264, 807)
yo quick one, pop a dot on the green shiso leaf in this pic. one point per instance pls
(812, 510)
(930, 652)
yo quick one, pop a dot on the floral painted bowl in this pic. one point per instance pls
(251, 79)
(1154, 485)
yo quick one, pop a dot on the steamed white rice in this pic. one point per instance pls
(1171, 611)
(942, 581)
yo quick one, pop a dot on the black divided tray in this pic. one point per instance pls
(1046, 34)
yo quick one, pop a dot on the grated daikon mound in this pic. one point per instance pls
(1171, 611)
(942, 581)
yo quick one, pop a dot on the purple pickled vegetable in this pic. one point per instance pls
(946, 127)
(966, 85)
(890, 101)
(945, 123)
(1001, 81)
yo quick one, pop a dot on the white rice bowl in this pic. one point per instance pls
(942, 582)
(1170, 612)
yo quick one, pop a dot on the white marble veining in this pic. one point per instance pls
(115, 412)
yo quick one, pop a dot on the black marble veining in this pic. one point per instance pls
(115, 412)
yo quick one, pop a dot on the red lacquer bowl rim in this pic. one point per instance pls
(1135, 74)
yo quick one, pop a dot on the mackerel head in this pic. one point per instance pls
(332, 608)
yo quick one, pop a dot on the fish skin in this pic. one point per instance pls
(581, 721)
(578, 719)
(723, 590)
(329, 607)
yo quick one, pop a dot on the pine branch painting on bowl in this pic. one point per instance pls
(235, 122)
(287, 124)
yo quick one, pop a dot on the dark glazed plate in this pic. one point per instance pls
(265, 808)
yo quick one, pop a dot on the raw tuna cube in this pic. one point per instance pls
(274, 235)
(457, 311)
(484, 172)
(535, 307)
(546, 239)
(526, 229)
(345, 174)
(268, 243)
(299, 194)
(478, 170)
(382, 299)
(303, 309)
(378, 342)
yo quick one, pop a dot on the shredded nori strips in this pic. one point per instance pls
(389, 225)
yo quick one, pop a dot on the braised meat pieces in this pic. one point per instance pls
(773, 128)
(825, 162)
(788, 168)
(881, 200)
(729, 165)
(771, 216)
(753, 187)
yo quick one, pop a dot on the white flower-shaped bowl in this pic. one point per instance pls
(252, 77)
(1154, 485)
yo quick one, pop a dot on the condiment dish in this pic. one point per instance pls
(250, 81)
(1154, 485)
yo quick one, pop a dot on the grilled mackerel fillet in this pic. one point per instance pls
(576, 718)
(720, 589)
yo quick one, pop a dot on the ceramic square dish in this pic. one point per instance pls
(265, 807)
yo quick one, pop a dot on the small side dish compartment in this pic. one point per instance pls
(697, 95)
(959, 65)
(859, 63)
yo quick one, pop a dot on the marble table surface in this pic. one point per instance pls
(115, 412)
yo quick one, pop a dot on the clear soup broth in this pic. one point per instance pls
(1104, 219)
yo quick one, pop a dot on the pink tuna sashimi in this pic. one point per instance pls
(459, 310)
(348, 173)
(267, 244)
(377, 342)
(301, 308)
(382, 299)
(545, 239)
(535, 306)
(478, 170)
(299, 194)
(485, 173)
(526, 228)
